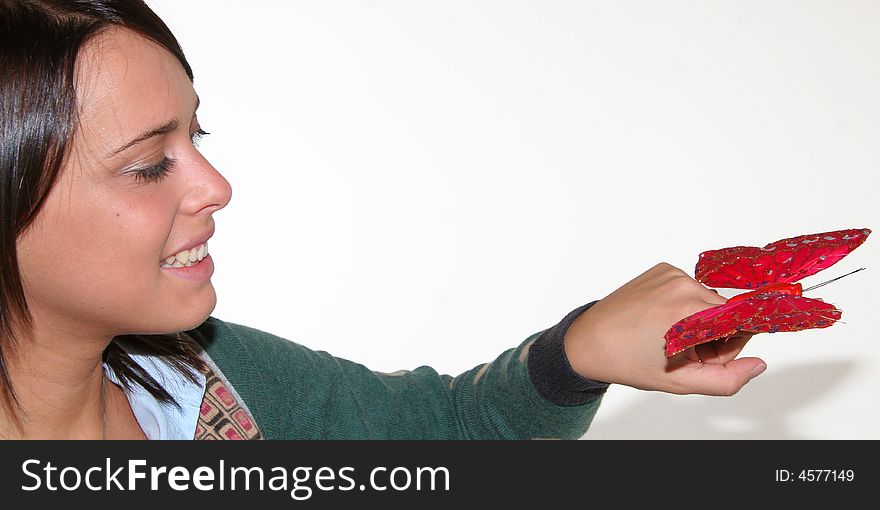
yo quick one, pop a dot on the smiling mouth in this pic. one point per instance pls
(187, 258)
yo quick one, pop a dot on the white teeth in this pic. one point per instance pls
(187, 258)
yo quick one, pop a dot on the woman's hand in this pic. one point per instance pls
(620, 339)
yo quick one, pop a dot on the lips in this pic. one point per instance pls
(191, 251)
(187, 257)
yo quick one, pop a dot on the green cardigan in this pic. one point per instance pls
(297, 393)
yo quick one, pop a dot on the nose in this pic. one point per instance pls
(208, 190)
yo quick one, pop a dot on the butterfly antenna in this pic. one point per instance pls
(829, 281)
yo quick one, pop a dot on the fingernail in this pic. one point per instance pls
(758, 370)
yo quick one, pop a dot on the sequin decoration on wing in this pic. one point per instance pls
(775, 303)
(787, 260)
(766, 313)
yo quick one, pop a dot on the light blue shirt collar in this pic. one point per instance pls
(161, 420)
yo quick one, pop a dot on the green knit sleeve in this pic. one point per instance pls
(297, 393)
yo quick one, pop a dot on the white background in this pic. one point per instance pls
(431, 182)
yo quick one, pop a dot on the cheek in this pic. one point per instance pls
(120, 241)
(96, 256)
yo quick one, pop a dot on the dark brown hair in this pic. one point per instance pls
(39, 44)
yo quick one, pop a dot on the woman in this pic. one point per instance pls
(106, 294)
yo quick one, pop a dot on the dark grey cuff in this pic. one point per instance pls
(550, 371)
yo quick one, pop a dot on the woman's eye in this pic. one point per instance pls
(156, 172)
(197, 136)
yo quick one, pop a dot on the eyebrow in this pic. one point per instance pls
(169, 126)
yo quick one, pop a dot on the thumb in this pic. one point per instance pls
(726, 379)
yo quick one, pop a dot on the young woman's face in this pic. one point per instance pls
(92, 260)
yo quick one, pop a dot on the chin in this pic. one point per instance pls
(184, 317)
(196, 316)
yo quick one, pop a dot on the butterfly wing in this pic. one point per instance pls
(787, 260)
(771, 313)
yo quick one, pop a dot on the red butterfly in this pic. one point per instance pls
(777, 304)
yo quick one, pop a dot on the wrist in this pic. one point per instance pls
(578, 338)
(550, 370)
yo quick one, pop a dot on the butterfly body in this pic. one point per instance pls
(792, 289)
(775, 303)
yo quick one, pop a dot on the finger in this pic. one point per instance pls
(731, 348)
(720, 379)
(715, 298)
(721, 351)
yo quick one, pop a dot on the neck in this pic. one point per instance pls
(58, 379)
